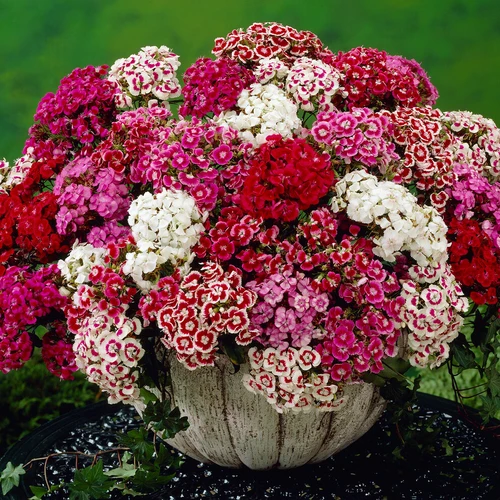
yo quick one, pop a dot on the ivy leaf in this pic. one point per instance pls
(38, 492)
(462, 353)
(139, 443)
(10, 477)
(490, 407)
(161, 418)
(149, 480)
(493, 381)
(121, 472)
(90, 483)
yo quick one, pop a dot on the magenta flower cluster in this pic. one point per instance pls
(213, 86)
(78, 114)
(25, 297)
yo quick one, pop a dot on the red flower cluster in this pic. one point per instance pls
(374, 79)
(213, 86)
(285, 176)
(474, 261)
(80, 112)
(262, 41)
(27, 228)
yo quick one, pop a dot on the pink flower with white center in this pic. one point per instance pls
(300, 303)
(308, 358)
(373, 292)
(340, 371)
(222, 155)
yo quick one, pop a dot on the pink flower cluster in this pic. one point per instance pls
(78, 114)
(268, 40)
(213, 86)
(472, 196)
(289, 312)
(359, 136)
(87, 194)
(26, 297)
(288, 380)
(201, 308)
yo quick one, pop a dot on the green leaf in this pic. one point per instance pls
(463, 354)
(493, 381)
(139, 443)
(159, 416)
(38, 492)
(490, 407)
(235, 352)
(10, 477)
(90, 483)
(121, 472)
(150, 480)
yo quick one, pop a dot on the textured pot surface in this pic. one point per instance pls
(232, 427)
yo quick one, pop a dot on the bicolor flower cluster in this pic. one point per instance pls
(146, 76)
(306, 214)
(201, 308)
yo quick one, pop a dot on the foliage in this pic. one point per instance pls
(32, 396)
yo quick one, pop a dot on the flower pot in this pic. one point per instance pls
(233, 427)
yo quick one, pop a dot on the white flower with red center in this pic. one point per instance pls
(263, 110)
(308, 358)
(271, 71)
(288, 381)
(150, 75)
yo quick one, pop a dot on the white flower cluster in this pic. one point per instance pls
(150, 74)
(404, 225)
(165, 226)
(108, 352)
(10, 176)
(264, 110)
(431, 314)
(285, 378)
(76, 267)
(481, 136)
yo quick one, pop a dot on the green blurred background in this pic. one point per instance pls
(41, 41)
(457, 41)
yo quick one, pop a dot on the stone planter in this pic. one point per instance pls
(232, 427)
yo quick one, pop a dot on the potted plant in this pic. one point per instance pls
(261, 247)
